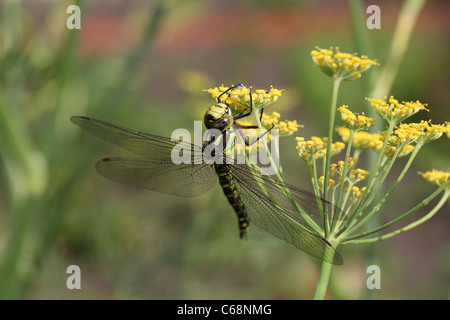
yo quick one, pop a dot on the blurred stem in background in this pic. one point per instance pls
(40, 197)
(379, 83)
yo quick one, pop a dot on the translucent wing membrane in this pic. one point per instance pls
(269, 208)
(184, 180)
(157, 172)
(144, 144)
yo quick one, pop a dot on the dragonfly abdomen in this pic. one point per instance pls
(229, 189)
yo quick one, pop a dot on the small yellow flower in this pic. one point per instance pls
(355, 193)
(358, 192)
(286, 128)
(406, 150)
(357, 175)
(436, 177)
(395, 112)
(334, 169)
(337, 147)
(355, 122)
(339, 167)
(331, 182)
(361, 140)
(316, 147)
(346, 66)
(239, 97)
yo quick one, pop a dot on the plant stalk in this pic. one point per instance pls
(322, 284)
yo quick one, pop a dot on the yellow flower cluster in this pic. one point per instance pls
(316, 147)
(436, 177)
(356, 192)
(346, 66)
(331, 182)
(364, 140)
(338, 168)
(394, 112)
(404, 152)
(239, 97)
(286, 128)
(422, 133)
(429, 131)
(357, 175)
(361, 140)
(390, 149)
(354, 121)
(354, 176)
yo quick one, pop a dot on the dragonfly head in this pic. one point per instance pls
(218, 117)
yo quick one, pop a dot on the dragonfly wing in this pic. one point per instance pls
(145, 144)
(184, 180)
(269, 208)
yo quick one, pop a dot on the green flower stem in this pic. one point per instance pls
(334, 212)
(372, 176)
(356, 154)
(344, 174)
(313, 173)
(322, 284)
(385, 171)
(386, 196)
(286, 191)
(379, 162)
(378, 183)
(423, 203)
(334, 97)
(272, 163)
(315, 184)
(344, 203)
(428, 216)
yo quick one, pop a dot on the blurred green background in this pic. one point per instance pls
(143, 65)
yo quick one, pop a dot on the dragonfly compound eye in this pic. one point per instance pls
(224, 122)
(209, 120)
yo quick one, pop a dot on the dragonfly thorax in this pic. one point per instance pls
(218, 117)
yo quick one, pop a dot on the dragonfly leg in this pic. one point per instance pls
(243, 115)
(239, 85)
(247, 143)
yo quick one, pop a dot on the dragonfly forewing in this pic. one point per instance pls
(138, 142)
(162, 175)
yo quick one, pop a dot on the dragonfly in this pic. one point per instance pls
(257, 199)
